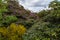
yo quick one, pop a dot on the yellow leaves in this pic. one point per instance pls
(13, 32)
(3, 31)
(21, 29)
(13, 27)
(13, 37)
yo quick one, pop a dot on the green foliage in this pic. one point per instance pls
(43, 31)
(3, 9)
(47, 28)
(55, 4)
(3, 6)
(10, 19)
(29, 23)
(42, 13)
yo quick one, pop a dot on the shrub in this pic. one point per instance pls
(2, 10)
(10, 19)
(43, 31)
(19, 29)
(13, 32)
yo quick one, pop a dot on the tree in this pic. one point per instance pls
(55, 4)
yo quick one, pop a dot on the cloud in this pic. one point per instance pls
(35, 5)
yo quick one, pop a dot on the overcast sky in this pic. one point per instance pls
(35, 5)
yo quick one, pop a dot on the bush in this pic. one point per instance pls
(43, 31)
(2, 10)
(13, 32)
(10, 19)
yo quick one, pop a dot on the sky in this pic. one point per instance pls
(35, 5)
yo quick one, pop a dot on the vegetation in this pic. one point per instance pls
(13, 32)
(16, 23)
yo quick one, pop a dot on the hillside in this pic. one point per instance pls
(17, 23)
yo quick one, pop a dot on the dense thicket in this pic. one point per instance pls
(15, 13)
(48, 27)
(14, 19)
